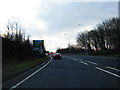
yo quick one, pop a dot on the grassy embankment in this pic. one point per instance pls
(15, 67)
(110, 55)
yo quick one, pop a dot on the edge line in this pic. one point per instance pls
(19, 83)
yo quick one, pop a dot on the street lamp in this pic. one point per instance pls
(69, 43)
(85, 42)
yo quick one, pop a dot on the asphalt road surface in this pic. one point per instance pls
(75, 72)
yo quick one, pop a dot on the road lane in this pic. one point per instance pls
(108, 69)
(54, 75)
(19, 83)
(68, 73)
(104, 61)
(89, 77)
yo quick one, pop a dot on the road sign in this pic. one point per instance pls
(38, 43)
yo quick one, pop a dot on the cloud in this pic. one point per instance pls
(61, 17)
(50, 21)
(64, 18)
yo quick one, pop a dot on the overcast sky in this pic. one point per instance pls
(56, 22)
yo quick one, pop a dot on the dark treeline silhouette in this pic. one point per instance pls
(71, 50)
(15, 50)
(15, 46)
(104, 39)
(105, 36)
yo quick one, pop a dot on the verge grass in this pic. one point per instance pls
(15, 68)
(109, 55)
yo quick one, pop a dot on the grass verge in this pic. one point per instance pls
(110, 55)
(11, 70)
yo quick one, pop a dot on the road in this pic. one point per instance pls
(75, 72)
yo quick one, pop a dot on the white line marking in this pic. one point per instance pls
(84, 63)
(74, 59)
(113, 68)
(107, 72)
(80, 59)
(29, 76)
(92, 62)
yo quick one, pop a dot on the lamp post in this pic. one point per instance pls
(69, 43)
(85, 42)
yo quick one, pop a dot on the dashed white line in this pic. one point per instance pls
(75, 59)
(29, 76)
(98, 67)
(84, 63)
(80, 59)
(113, 68)
(107, 72)
(92, 62)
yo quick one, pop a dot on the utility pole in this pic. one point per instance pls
(85, 42)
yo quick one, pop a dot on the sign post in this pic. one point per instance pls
(38, 47)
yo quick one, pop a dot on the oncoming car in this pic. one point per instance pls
(57, 56)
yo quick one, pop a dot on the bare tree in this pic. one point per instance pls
(93, 39)
(81, 39)
(105, 36)
(109, 33)
(14, 31)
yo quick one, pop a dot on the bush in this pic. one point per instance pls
(14, 49)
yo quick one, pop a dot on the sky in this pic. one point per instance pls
(57, 22)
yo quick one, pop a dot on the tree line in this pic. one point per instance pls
(105, 38)
(15, 44)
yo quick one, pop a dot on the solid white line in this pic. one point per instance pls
(29, 76)
(107, 72)
(84, 63)
(113, 68)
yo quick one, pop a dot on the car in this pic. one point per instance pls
(57, 56)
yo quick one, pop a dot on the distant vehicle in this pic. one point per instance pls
(52, 53)
(57, 56)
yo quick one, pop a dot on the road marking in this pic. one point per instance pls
(75, 59)
(84, 63)
(113, 68)
(107, 72)
(29, 76)
(80, 59)
(92, 62)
